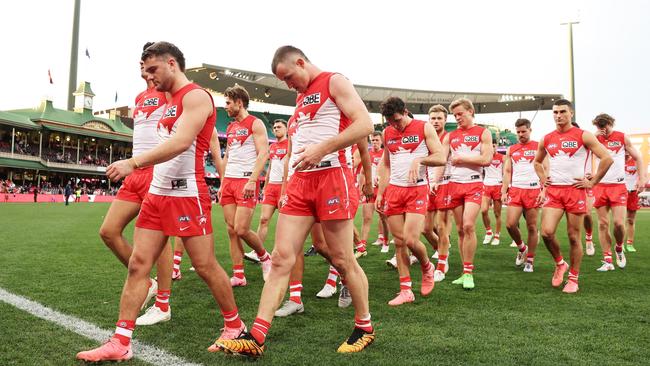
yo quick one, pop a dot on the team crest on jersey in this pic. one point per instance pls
(471, 139)
(242, 132)
(311, 99)
(151, 102)
(613, 144)
(411, 139)
(170, 112)
(569, 144)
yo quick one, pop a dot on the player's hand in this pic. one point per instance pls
(379, 204)
(547, 182)
(504, 193)
(541, 197)
(456, 160)
(308, 157)
(367, 191)
(434, 188)
(119, 170)
(640, 187)
(219, 194)
(249, 189)
(283, 200)
(414, 171)
(584, 183)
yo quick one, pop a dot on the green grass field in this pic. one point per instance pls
(52, 254)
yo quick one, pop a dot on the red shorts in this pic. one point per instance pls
(232, 192)
(400, 200)
(460, 193)
(272, 194)
(441, 202)
(176, 216)
(610, 195)
(492, 192)
(327, 194)
(135, 186)
(524, 198)
(570, 199)
(633, 201)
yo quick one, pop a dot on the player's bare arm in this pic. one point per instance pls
(484, 159)
(640, 167)
(601, 153)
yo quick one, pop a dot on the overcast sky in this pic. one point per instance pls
(468, 46)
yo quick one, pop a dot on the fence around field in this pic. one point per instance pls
(26, 198)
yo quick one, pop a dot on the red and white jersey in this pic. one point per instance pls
(291, 131)
(149, 107)
(464, 142)
(183, 175)
(403, 147)
(319, 119)
(615, 145)
(631, 174)
(567, 156)
(277, 152)
(241, 148)
(375, 160)
(444, 179)
(494, 172)
(523, 169)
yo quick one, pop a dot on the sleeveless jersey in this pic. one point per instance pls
(494, 172)
(183, 175)
(615, 145)
(523, 171)
(567, 156)
(241, 148)
(375, 160)
(277, 152)
(149, 107)
(291, 131)
(631, 174)
(403, 147)
(466, 141)
(318, 119)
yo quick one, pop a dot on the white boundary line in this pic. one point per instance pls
(141, 350)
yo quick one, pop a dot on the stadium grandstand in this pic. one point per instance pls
(45, 147)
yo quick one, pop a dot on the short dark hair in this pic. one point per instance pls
(146, 45)
(602, 120)
(563, 102)
(377, 133)
(439, 108)
(162, 49)
(282, 53)
(392, 105)
(280, 120)
(237, 92)
(522, 122)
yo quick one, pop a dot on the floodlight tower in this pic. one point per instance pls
(571, 72)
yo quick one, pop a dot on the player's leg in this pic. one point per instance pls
(330, 287)
(531, 215)
(179, 249)
(457, 212)
(496, 206)
(119, 214)
(429, 229)
(470, 212)
(630, 229)
(513, 214)
(574, 222)
(618, 218)
(160, 311)
(294, 304)
(550, 219)
(236, 248)
(396, 226)
(604, 238)
(443, 225)
(243, 218)
(485, 214)
(265, 218)
(589, 226)
(367, 210)
(413, 223)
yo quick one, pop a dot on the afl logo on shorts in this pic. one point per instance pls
(183, 218)
(410, 139)
(170, 112)
(151, 102)
(471, 139)
(333, 201)
(311, 99)
(569, 144)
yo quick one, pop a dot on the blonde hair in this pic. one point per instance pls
(463, 102)
(439, 108)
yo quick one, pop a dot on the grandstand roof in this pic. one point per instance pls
(267, 88)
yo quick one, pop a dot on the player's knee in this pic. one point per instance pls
(532, 229)
(138, 266)
(511, 226)
(619, 224)
(108, 235)
(340, 263)
(264, 220)
(468, 228)
(282, 260)
(203, 268)
(241, 230)
(630, 221)
(547, 235)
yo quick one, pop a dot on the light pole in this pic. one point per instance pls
(74, 51)
(571, 74)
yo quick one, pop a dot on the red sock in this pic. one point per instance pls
(488, 231)
(426, 267)
(573, 275)
(607, 257)
(260, 330)
(442, 262)
(619, 247)
(162, 300)
(630, 242)
(363, 324)
(124, 331)
(405, 283)
(361, 247)
(559, 261)
(231, 318)
(178, 256)
(332, 276)
(530, 258)
(238, 271)
(263, 255)
(295, 288)
(468, 267)
(588, 234)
